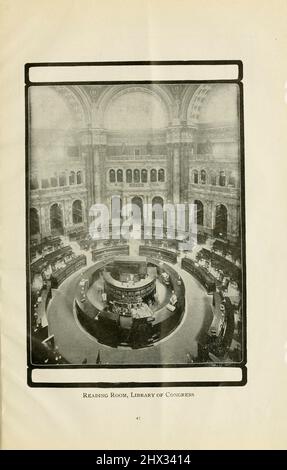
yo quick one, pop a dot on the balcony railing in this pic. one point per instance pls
(215, 188)
(136, 157)
(214, 157)
(139, 184)
(58, 189)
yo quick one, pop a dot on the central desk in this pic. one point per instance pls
(129, 292)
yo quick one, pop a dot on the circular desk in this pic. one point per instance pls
(129, 292)
(139, 329)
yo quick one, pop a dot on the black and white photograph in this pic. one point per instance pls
(143, 228)
(135, 224)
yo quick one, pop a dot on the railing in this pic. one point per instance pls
(137, 185)
(67, 188)
(214, 188)
(136, 157)
(214, 157)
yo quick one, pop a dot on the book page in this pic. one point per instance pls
(142, 225)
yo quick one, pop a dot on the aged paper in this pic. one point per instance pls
(38, 414)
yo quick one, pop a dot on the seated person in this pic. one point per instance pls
(173, 298)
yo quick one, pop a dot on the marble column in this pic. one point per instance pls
(233, 220)
(87, 155)
(184, 171)
(42, 221)
(66, 206)
(208, 215)
(102, 172)
(45, 220)
(170, 172)
(176, 174)
(97, 175)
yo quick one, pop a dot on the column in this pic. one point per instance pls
(97, 174)
(233, 220)
(67, 213)
(103, 179)
(170, 172)
(176, 174)
(208, 215)
(44, 214)
(87, 155)
(184, 171)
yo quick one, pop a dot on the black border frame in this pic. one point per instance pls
(242, 364)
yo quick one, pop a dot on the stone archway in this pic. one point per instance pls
(77, 211)
(199, 212)
(34, 222)
(56, 219)
(220, 223)
(157, 216)
(138, 217)
(110, 94)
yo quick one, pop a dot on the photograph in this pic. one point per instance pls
(135, 224)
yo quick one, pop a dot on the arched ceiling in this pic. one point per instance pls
(48, 110)
(214, 104)
(221, 105)
(136, 106)
(155, 101)
(135, 109)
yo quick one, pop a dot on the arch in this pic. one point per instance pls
(112, 93)
(54, 181)
(161, 175)
(195, 176)
(222, 178)
(77, 101)
(45, 183)
(153, 175)
(203, 177)
(199, 216)
(34, 183)
(79, 177)
(63, 179)
(112, 176)
(119, 176)
(213, 178)
(52, 110)
(137, 176)
(34, 222)
(129, 176)
(72, 178)
(220, 223)
(221, 107)
(135, 109)
(157, 215)
(77, 211)
(137, 201)
(144, 176)
(157, 202)
(192, 102)
(210, 103)
(56, 219)
(84, 101)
